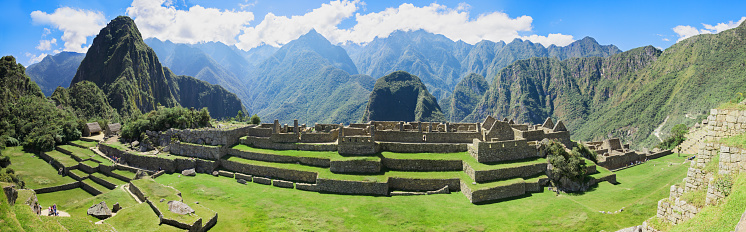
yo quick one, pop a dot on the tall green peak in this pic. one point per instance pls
(401, 96)
(133, 79)
(14, 83)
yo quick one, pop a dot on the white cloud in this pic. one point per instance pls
(35, 59)
(278, 30)
(159, 19)
(75, 24)
(454, 23)
(45, 45)
(689, 31)
(556, 39)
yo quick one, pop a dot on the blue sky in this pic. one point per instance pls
(31, 29)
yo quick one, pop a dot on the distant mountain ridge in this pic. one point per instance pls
(55, 70)
(626, 95)
(130, 74)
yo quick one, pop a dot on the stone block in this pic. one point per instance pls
(226, 174)
(282, 184)
(262, 180)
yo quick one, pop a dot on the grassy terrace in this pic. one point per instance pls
(96, 185)
(260, 207)
(90, 163)
(124, 173)
(86, 153)
(79, 173)
(33, 170)
(64, 159)
(332, 155)
(156, 191)
(84, 143)
(426, 156)
(109, 179)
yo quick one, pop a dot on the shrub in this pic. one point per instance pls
(255, 119)
(570, 165)
(9, 175)
(677, 137)
(165, 118)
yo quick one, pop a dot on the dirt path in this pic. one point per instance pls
(45, 212)
(657, 131)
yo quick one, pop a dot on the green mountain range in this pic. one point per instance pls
(401, 96)
(626, 95)
(131, 76)
(311, 80)
(465, 97)
(55, 70)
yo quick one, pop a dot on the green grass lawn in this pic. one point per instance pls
(96, 185)
(426, 156)
(61, 198)
(260, 207)
(33, 170)
(63, 158)
(332, 155)
(79, 172)
(139, 218)
(90, 163)
(108, 178)
(84, 143)
(124, 173)
(86, 154)
(155, 191)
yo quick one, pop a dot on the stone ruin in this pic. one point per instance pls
(611, 154)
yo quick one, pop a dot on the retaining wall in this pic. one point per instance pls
(355, 166)
(88, 169)
(136, 191)
(271, 172)
(197, 151)
(90, 189)
(489, 152)
(70, 153)
(422, 147)
(495, 193)
(422, 165)
(282, 184)
(677, 211)
(267, 143)
(140, 161)
(484, 176)
(318, 137)
(102, 182)
(63, 187)
(422, 185)
(352, 187)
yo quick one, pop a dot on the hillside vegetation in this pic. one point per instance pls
(401, 96)
(626, 95)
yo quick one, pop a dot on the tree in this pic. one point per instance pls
(567, 168)
(255, 119)
(239, 116)
(677, 137)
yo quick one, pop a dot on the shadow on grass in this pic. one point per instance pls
(505, 199)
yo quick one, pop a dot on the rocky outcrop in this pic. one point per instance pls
(11, 194)
(179, 207)
(100, 211)
(189, 172)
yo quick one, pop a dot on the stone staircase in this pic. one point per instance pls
(693, 142)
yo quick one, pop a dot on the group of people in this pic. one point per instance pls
(638, 162)
(52, 210)
(117, 159)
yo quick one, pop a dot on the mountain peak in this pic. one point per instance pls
(410, 96)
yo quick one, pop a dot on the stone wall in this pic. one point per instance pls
(619, 160)
(676, 211)
(109, 172)
(266, 143)
(422, 165)
(67, 152)
(422, 147)
(209, 136)
(352, 187)
(136, 191)
(90, 189)
(426, 137)
(56, 164)
(88, 169)
(421, 185)
(282, 184)
(270, 172)
(357, 145)
(494, 193)
(259, 132)
(284, 138)
(311, 161)
(63, 187)
(140, 161)
(484, 176)
(197, 151)
(319, 137)
(732, 160)
(489, 152)
(355, 166)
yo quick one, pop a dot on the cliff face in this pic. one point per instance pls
(129, 73)
(466, 96)
(401, 96)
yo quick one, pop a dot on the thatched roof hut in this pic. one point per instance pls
(113, 129)
(91, 129)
